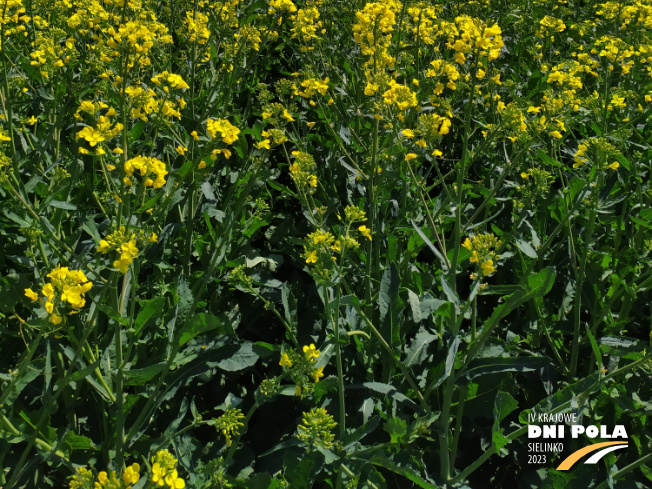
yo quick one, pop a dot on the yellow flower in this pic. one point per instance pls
(556, 134)
(48, 291)
(311, 256)
(488, 268)
(408, 133)
(410, 156)
(202, 165)
(31, 294)
(287, 115)
(285, 361)
(614, 165)
(55, 319)
(228, 131)
(467, 244)
(318, 374)
(32, 120)
(365, 231)
(311, 351)
(194, 135)
(263, 144)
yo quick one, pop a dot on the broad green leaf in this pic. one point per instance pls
(244, 357)
(362, 431)
(526, 248)
(140, 376)
(397, 429)
(302, 474)
(62, 205)
(418, 349)
(150, 309)
(404, 471)
(202, 323)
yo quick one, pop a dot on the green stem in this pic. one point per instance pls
(335, 320)
(399, 364)
(119, 408)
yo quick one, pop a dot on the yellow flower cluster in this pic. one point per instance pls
(301, 368)
(164, 471)
(228, 132)
(229, 424)
(139, 36)
(306, 25)
(164, 474)
(316, 428)
(579, 157)
(83, 479)
(49, 56)
(373, 31)
(400, 96)
(301, 170)
(11, 13)
(172, 79)
(483, 247)
(320, 245)
(196, 27)
(443, 71)
(148, 168)
(548, 26)
(65, 288)
(425, 28)
(616, 51)
(126, 243)
(281, 6)
(430, 128)
(312, 86)
(473, 36)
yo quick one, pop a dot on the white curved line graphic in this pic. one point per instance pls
(594, 459)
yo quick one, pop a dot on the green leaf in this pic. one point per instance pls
(449, 292)
(243, 358)
(202, 323)
(504, 404)
(442, 261)
(302, 474)
(367, 428)
(388, 290)
(486, 366)
(140, 376)
(418, 349)
(78, 442)
(62, 205)
(405, 472)
(526, 248)
(397, 429)
(414, 306)
(390, 304)
(594, 347)
(150, 309)
(499, 440)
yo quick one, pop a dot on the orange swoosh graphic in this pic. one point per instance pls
(575, 456)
